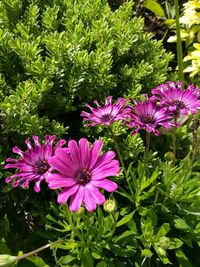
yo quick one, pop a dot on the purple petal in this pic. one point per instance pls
(84, 152)
(96, 194)
(89, 201)
(58, 180)
(106, 184)
(77, 199)
(66, 193)
(94, 154)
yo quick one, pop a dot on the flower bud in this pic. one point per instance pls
(109, 205)
(6, 260)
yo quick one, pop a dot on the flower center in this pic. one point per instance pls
(84, 177)
(179, 104)
(42, 166)
(148, 120)
(106, 117)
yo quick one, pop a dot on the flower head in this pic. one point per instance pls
(149, 116)
(81, 172)
(7, 260)
(33, 164)
(176, 100)
(107, 114)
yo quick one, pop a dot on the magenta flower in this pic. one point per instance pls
(148, 116)
(81, 172)
(107, 114)
(172, 97)
(33, 164)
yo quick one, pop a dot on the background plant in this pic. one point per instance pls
(190, 32)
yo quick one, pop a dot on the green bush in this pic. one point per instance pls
(57, 55)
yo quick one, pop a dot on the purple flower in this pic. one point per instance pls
(33, 164)
(148, 116)
(107, 114)
(176, 100)
(81, 172)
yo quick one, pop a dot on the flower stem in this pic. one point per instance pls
(178, 44)
(121, 160)
(118, 151)
(174, 145)
(148, 136)
(195, 147)
(38, 250)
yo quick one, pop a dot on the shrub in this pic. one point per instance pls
(57, 55)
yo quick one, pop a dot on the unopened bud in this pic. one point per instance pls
(6, 260)
(109, 205)
(80, 211)
(169, 156)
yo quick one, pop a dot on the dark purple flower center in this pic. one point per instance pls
(106, 117)
(84, 177)
(179, 104)
(148, 120)
(42, 166)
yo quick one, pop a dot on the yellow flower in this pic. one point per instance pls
(6, 260)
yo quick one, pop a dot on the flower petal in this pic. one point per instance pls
(66, 193)
(89, 201)
(77, 199)
(59, 180)
(106, 184)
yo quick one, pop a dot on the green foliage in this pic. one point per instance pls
(190, 34)
(51, 53)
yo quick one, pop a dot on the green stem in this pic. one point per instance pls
(118, 151)
(148, 136)
(195, 148)
(121, 160)
(178, 44)
(174, 145)
(38, 250)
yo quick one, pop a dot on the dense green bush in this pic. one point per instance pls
(57, 55)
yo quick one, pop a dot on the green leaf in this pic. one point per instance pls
(147, 253)
(87, 259)
(122, 251)
(175, 243)
(96, 255)
(164, 229)
(37, 261)
(183, 260)
(102, 264)
(125, 219)
(155, 7)
(124, 235)
(66, 259)
(181, 224)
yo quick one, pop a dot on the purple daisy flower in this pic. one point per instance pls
(176, 100)
(33, 164)
(107, 114)
(148, 116)
(81, 172)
